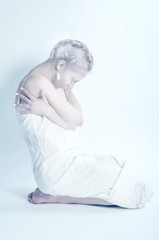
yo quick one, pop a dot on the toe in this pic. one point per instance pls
(30, 195)
(30, 199)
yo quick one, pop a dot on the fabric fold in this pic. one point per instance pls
(131, 189)
(60, 166)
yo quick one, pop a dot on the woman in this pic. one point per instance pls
(62, 172)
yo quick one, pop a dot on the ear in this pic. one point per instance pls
(61, 65)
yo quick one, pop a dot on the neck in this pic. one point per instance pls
(47, 70)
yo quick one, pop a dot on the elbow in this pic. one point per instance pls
(77, 123)
(80, 123)
(79, 119)
(73, 128)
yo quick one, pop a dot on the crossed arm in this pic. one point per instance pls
(41, 106)
(51, 114)
(71, 98)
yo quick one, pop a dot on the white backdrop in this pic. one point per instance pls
(119, 97)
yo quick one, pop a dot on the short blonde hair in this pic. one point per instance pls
(75, 53)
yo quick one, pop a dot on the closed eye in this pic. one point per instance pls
(75, 80)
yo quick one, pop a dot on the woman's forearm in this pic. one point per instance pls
(71, 98)
(53, 116)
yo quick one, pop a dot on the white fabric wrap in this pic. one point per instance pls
(61, 168)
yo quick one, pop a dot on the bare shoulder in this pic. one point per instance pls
(35, 83)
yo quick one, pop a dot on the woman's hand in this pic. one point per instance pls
(33, 104)
(67, 92)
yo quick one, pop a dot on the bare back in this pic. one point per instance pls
(26, 82)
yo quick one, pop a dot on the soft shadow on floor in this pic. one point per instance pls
(17, 196)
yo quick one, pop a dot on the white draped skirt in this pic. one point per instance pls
(61, 168)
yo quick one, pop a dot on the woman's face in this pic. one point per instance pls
(69, 78)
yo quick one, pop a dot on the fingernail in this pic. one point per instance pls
(14, 104)
(22, 88)
(16, 93)
(18, 113)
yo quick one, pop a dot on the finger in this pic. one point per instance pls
(28, 94)
(24, 112)
(23, 97)
(43, 94)
(22, 105)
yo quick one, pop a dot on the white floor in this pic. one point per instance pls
(19, 219)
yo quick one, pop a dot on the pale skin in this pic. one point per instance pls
(37, 102)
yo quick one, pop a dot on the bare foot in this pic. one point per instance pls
(38, 197)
